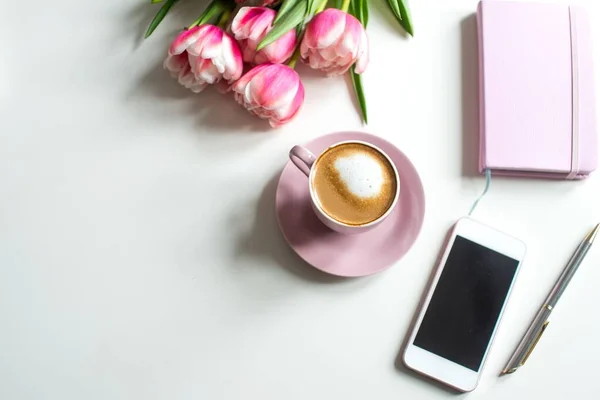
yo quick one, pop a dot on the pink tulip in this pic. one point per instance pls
(202, 56)
(250, 26)
(333, 41)
(271, 91)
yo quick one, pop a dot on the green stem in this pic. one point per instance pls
(345, 5)
(196, 22)
(294, 59)
(321, 7)
(224, 19)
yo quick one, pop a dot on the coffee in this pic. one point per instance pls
(354, 183)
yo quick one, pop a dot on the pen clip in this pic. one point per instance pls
(535, 342)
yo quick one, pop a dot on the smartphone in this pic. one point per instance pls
(455, 327)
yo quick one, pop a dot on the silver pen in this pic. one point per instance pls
(540, 322)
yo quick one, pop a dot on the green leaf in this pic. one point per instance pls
(286, 6)
(288, 22)
(360, 94)
(315, 5)
(160, 15)
(406, 21)
(360, 9)
(156, 1)
(364, 12)
(309, 8)
(214, 9)
(402, 14)
(338, 4)
(395, 8)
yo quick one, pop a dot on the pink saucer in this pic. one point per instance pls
(357, 255)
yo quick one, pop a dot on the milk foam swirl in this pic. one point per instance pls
(361, 173)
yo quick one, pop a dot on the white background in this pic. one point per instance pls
(139, 252)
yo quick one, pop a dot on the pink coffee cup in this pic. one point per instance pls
(304, 159)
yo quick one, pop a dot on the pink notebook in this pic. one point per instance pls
(538, 112)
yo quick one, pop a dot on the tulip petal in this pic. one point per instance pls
(363, 56)
(326, 28)
(187, 79)
(204, 55)
(329, 54)
(213, 46)
(206, 34)
(249, 54)
(282, 49)
(176, 62)
(332, 46)
(250, 26)
(349, 42)
(240, 85)
(251, 22)
(242, 18)
(185, 40)
(261, 24)
(293, 108)
(207, 71)
(232, 58)
(270, 91)
(270, 87)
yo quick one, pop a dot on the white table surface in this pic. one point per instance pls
(139, 252)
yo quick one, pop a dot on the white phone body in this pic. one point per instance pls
(495, 256)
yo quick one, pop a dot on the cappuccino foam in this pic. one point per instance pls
(354, 183)
(362, 174)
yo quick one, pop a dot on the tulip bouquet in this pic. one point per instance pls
(250, 48)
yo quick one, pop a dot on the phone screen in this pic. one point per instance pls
(466, 303)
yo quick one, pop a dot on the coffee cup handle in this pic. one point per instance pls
(302, 158)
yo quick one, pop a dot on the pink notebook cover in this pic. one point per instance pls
(537, 90)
